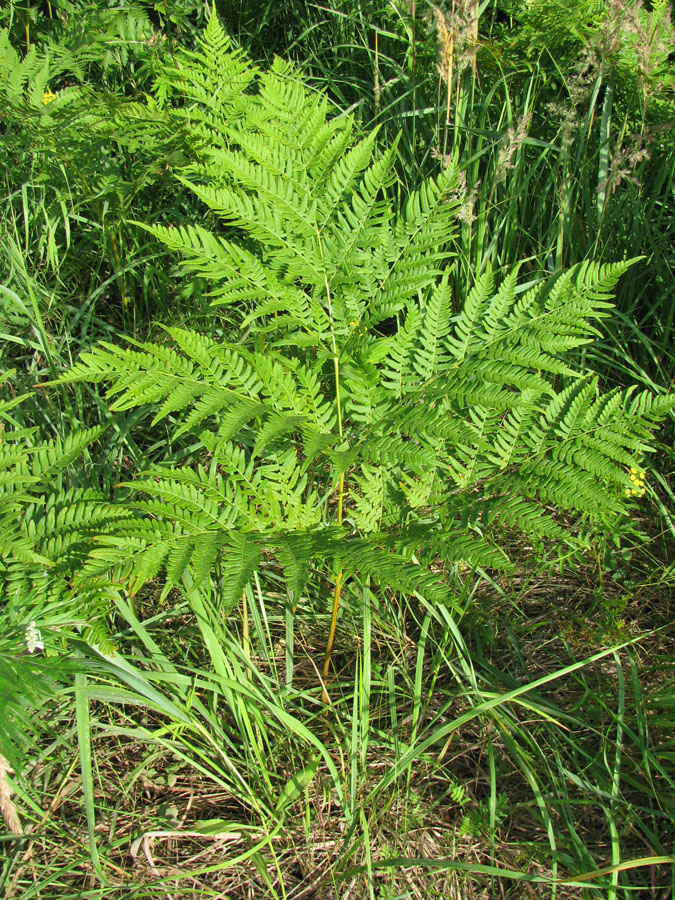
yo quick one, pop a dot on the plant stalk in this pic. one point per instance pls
(341, 492)
(336, 599)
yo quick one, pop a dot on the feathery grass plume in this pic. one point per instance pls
(446, 35)
(457, 33)
(626, 162)
(609, 36)
(457, 37)
(446, 52)
(7, 807)
(512, 142)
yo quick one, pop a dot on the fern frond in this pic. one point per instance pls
(338, 186)
(529, 518)
(368, 557)
(240, 559)
(214, 78)
(275, 427)
(465, 336)
(368, 505)
(296, 552)
(429, 359)
(363, 399)
(424, 235)
(212, 376)
(274, 190)
(237, 276)
(263, 223)
(351, 368)
(398, 364)
(47, 459)
(508, 444)
(330, 143)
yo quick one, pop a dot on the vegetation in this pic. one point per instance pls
(333, 561)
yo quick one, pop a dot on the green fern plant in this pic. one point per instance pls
(353, 424)
(50, 512)
(48, 517)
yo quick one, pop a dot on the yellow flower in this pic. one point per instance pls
(639, 481)
(48, 97)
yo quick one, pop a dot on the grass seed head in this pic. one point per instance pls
(7, 807)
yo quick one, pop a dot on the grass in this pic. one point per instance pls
(522, 748)
(442, 768)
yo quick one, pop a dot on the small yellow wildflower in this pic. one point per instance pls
(48, 97)
(638, 479)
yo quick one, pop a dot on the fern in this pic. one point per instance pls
(17, 75)
(354, 422)
(48, 528)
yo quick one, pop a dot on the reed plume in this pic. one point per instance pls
(7, 807)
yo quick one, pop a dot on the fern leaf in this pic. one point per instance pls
(296, 551)
(464, 337)
(240, 559)
(398, 365)
(368, 506)
(266, 225)
(343, 177)
(429, 359)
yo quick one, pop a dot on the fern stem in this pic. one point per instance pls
(331, 634)
(336, 599)
(341, 495)
(338, 402)
(341, 491)
(244, 626)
